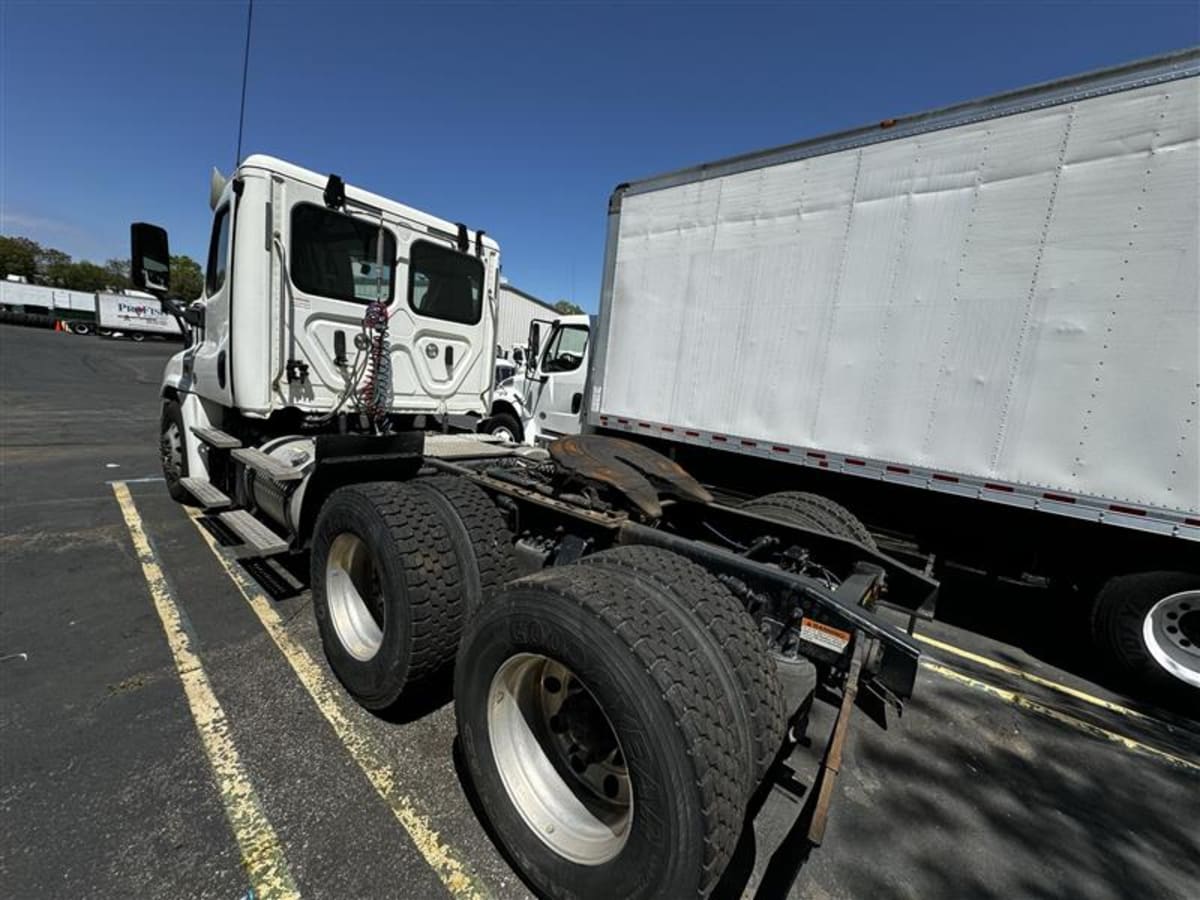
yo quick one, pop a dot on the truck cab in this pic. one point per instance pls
(544, 401)
(282, 336)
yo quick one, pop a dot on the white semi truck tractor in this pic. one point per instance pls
(977, 327)
(630, 656)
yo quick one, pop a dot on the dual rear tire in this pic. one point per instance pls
(396, 568)
(614, 716)
(637, 783)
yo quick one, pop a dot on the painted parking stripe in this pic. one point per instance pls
(1165, 719)
(1057, 715)
(457, 877)
(1034, 679)
(262, 854)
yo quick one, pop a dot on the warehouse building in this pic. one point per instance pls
(517, 310)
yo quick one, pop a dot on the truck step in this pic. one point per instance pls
(268, 465)
(209, 495)
(215, 437)
(254, 533)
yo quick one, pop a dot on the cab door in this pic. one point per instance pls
(444, 323)
(339, 262)
(562, 371)
(207, 364)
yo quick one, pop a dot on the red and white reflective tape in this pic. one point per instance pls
(1079, 506)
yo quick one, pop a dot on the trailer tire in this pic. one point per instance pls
(1131, 617)
(386, 540)
(504, 424)
(172, 449)
(812, 511)
(675, 813)
(485, 543)
(80, 328)
(749, 664)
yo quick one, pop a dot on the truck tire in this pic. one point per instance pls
(1148, 626)
(386, 590)
(747, 659)
(172, 449)
(483, 541)
(504, 425)
(812, 511)
(598, 753)
(80, 327)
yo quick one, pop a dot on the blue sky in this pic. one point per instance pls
(518, 118)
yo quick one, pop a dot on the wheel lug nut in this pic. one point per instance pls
(611, 786)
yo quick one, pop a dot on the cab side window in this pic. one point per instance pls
(218, 253)
(445, 284)
(334, 255)
(566, 349)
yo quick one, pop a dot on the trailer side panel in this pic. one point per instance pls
(1012, 298)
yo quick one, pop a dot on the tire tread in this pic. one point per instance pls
(670, 653)
(723, 617)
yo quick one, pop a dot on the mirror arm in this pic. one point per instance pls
(188, 317)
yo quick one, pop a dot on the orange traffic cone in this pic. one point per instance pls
(57, 325)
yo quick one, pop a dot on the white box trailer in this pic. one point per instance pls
(45, 299)
(998, 300)
(135, 315)
(43, 305)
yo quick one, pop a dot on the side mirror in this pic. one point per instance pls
(535, 340)
(149, 258)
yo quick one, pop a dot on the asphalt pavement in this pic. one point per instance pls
(169, 727)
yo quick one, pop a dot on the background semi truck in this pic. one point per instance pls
(978, 327)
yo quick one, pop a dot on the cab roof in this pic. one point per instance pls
(293, 172)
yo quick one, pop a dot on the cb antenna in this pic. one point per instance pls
(245, 68)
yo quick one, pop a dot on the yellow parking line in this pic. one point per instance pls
(262, 854)
(329, 698)
(1027, 703)
(1035, 679)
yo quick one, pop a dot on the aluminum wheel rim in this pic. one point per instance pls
(1171, 631)
(551, 744)
(503, 432)
(172, 452)
(354, 596)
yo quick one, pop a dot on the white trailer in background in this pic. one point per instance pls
(135, 315)
(987, 315)
(26, 303)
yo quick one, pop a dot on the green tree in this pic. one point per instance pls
(19, 256)
(86, 276)
(187, 278)
(567, 308)
(118, 273)
(54, 267)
